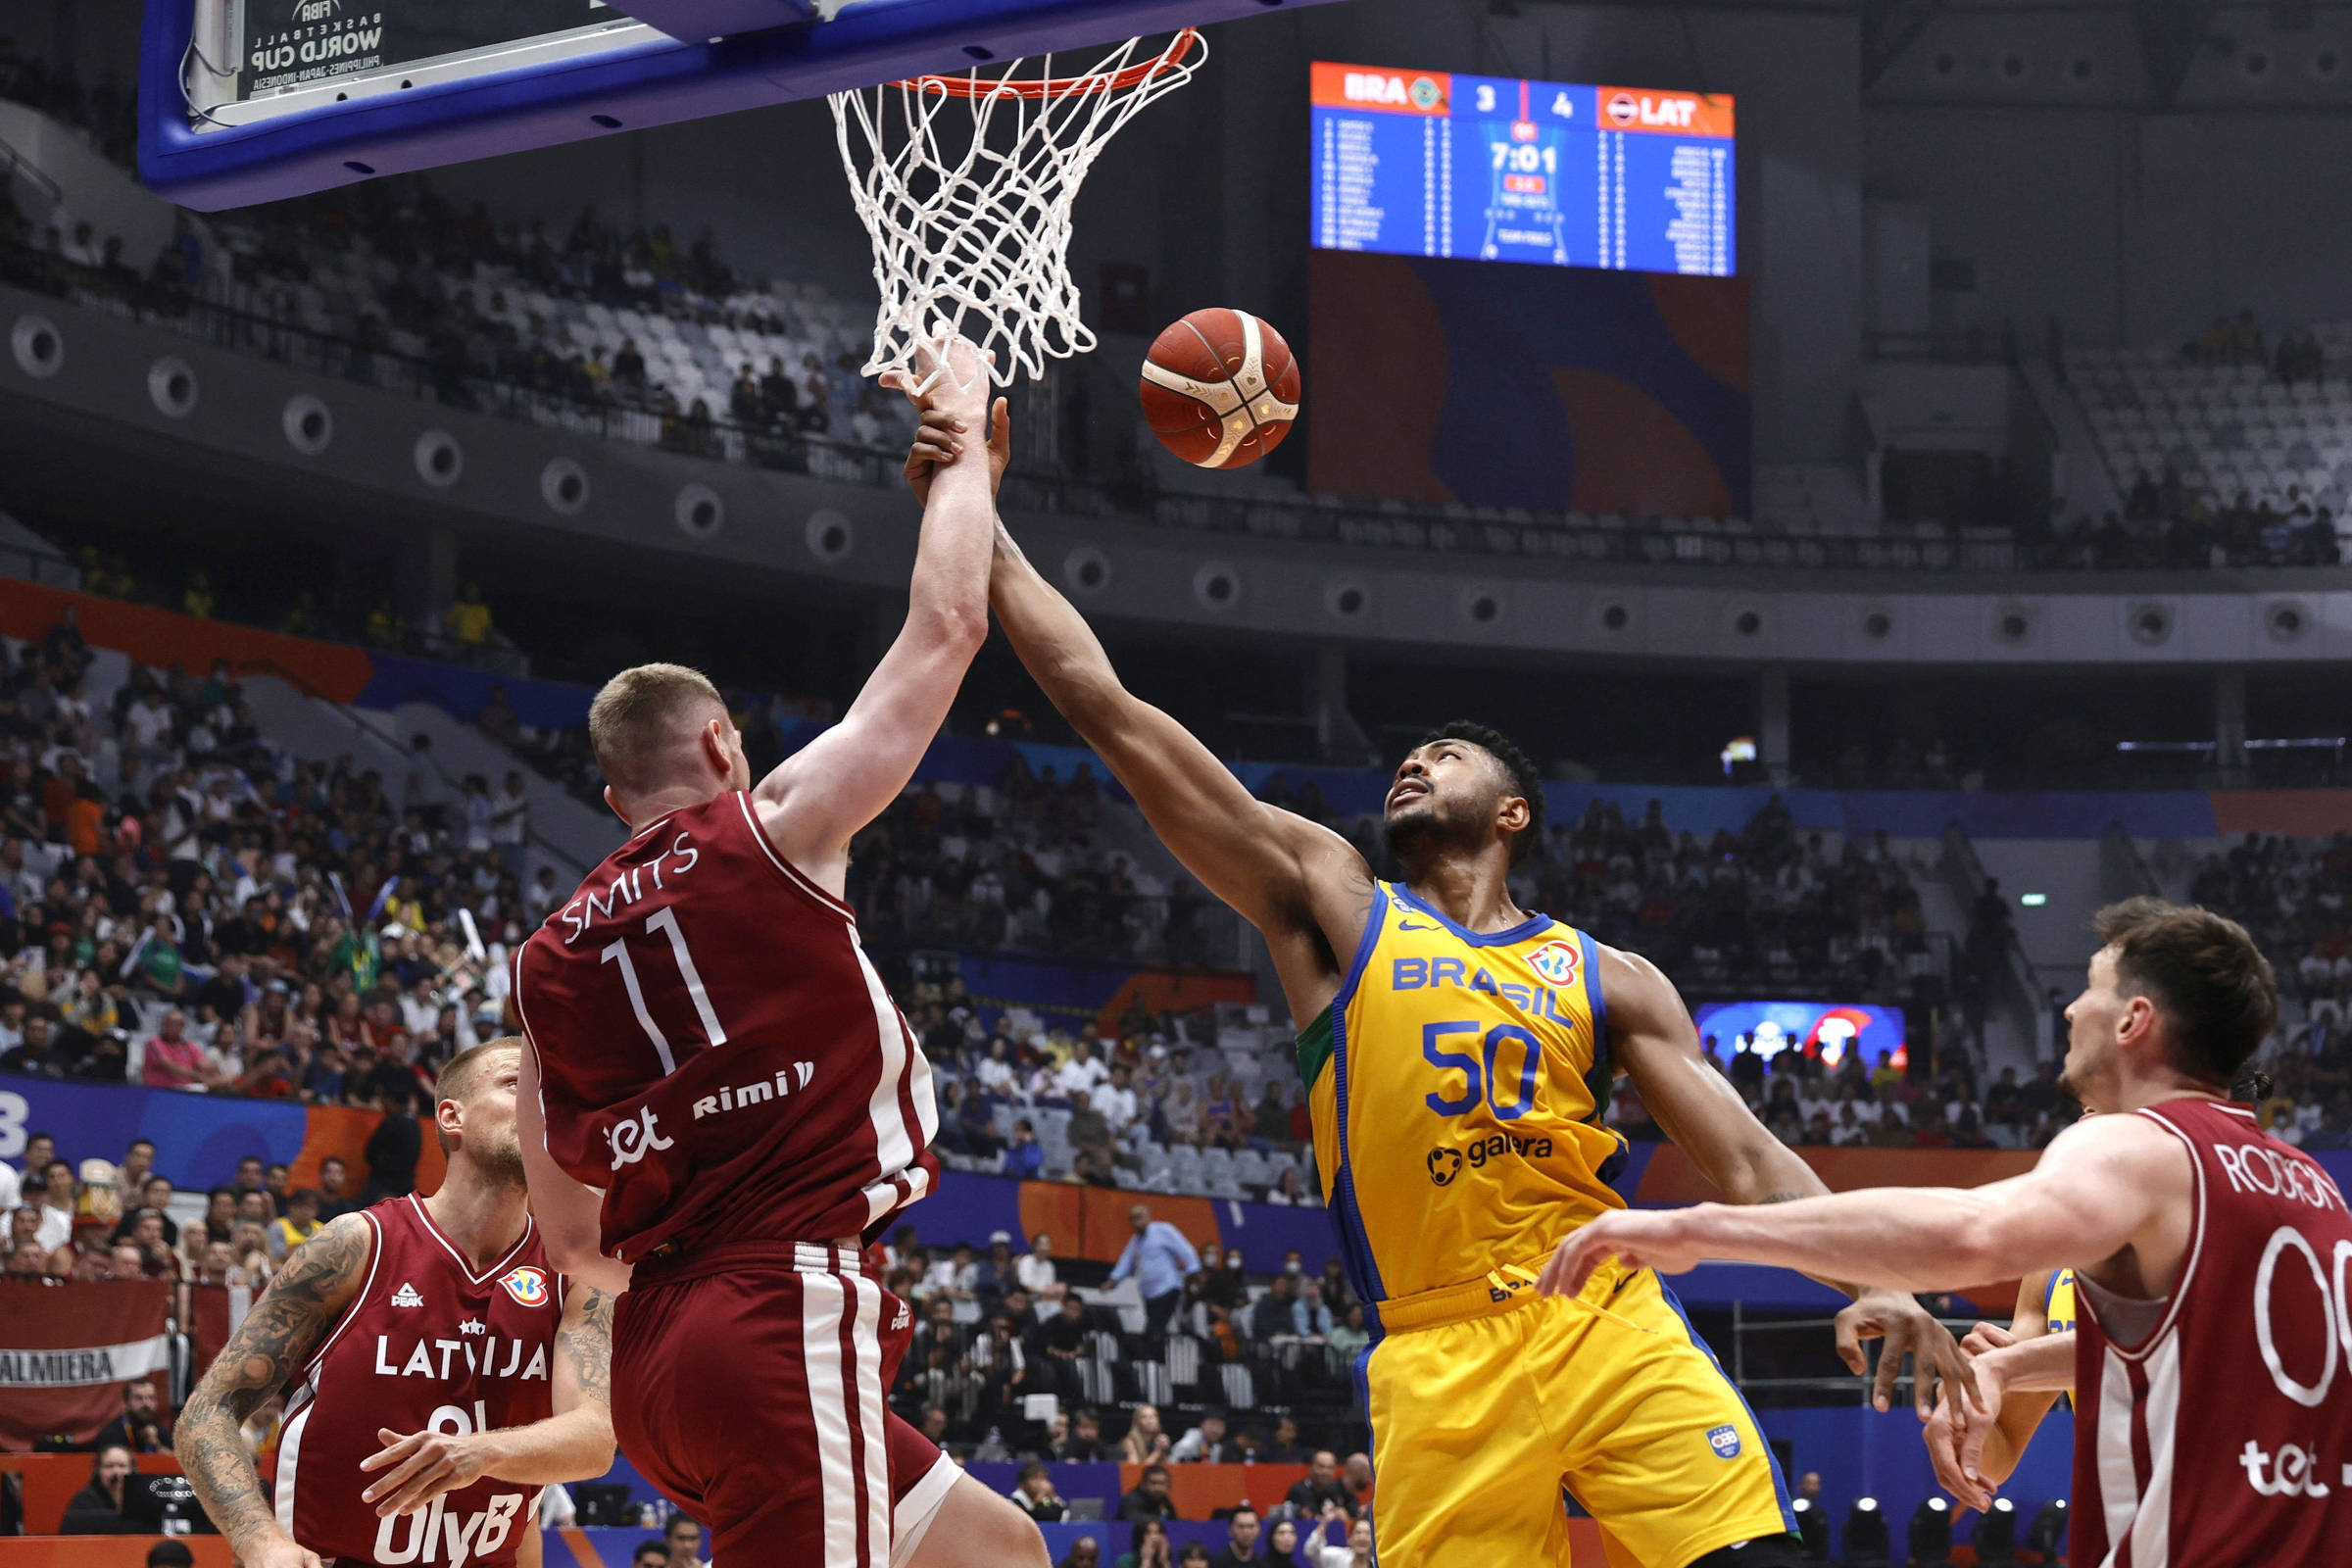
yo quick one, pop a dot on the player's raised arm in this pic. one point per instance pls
(575, 1443)
(818, 798)
(1268, 864)
(297, 1310)
(1650, 1032)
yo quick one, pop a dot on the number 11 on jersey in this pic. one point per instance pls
(665, 921)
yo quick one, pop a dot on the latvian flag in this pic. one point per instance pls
(66, 1350)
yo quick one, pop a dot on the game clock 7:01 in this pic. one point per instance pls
(1420, 163)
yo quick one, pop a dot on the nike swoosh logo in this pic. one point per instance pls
(1407, 925)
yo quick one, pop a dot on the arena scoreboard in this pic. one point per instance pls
(1432, 163)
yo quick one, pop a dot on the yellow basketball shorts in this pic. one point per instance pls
(1479, 1425)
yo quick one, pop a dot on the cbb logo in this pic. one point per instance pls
(1444, 1164)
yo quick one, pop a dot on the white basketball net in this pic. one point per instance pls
(967, 183)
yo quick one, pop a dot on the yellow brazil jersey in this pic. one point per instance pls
(1457, 1084)
(2058, 1304)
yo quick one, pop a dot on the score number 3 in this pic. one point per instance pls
(665, 921)
(1480, 1069)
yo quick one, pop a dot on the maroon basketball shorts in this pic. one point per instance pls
(750, 1384)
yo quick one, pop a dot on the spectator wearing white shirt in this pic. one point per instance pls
(1356, 1553)
(954, 1276)
(1035, 1272)
(54, 1189)
(1116, 1101)
(1081, 1072)
(478, 811)
(510, 822)
(2315, 975)
(995, 1071)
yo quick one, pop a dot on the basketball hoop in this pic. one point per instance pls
(972, 225)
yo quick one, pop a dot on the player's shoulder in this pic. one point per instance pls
(333, 1259)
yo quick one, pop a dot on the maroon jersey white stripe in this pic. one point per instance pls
(2222, 1435)
(715, 1052)
(427, 1343)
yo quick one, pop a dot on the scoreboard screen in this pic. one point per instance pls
(1429, 162)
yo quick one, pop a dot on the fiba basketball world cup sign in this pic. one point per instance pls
(288, 43)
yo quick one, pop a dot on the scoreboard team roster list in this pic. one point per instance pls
(1426, 162)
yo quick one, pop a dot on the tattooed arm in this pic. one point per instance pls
(300, 1308)
(575, 1443)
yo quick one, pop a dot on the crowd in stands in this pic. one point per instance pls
(2295, 897)
(387, 282)
(185, 906)
(1026, 865)
(2169, 522)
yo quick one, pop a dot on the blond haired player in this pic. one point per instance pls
(1457, 1058)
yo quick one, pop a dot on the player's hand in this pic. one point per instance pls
(942, 436)
(1637, 1238)
(277, 1550)
(1987, 1337)
(1956, 1436)
(962, 387)
(422, 1466)
(1909, 1329)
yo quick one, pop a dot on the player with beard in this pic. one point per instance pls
(1458, 1052)
(2209, 1259)
(437, 1372)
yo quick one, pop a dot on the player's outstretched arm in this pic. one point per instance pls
(1269, 865)
(1651, 1033)
(818, 798)
(575, 1443)
(2106, 1183)
(299, 1309)
(570, 1215)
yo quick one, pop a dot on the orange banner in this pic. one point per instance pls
(1091, 1222)
(2297, 814)
(1671, 1177)
(157, 637)
(1399, 92)
(50, 1481)
(1673, 114)
(343, 1131)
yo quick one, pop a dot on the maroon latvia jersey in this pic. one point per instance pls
(427, 1344)
(2220, 1434)
(715, 1052)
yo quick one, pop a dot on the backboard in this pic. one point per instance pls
(244, 101)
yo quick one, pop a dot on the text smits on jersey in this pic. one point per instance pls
(583, 912)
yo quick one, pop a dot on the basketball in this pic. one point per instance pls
(1220, 388)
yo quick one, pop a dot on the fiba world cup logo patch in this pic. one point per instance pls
(1725, 1440)
(1556, 961)
(528, 1286)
